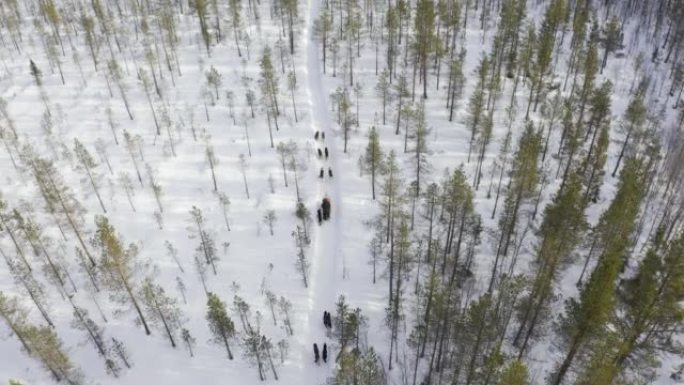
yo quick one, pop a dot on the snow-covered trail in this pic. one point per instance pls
(324, 251)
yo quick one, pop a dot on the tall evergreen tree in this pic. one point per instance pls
(373, 160)
(119, 266)
(220, 324)
(587, 316)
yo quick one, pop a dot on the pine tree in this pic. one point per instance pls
(285, 307)
(33, 234)
(391, 198)
(200, 7)
(220, 324)
(650, 311)
(214, 80)
(346, 115)
(456, 83)
(587, 316)
(47, 348)
(383, 90)
(188, 340)
(207, 246)
(633, 121)
(547, 40)
(522, 186)
(476, 105)
(322, 28)
(421, 131)
(32, 287)
(9, 226)
(285, 151)
(373, 159)
(15, 316)
(83, 322)
(515, 373)
(560, 232)
(269, 85)
(88, 164)
(212, 161)
(58, 196)
(161, 309)
(612, 38)
(119, 266)
(302, 263)
(270, 219)
(425, 42)
(116, 76)
(234, 8)
(225, 206)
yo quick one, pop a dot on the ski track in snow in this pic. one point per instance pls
(324, 252)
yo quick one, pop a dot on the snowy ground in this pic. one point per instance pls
(254, 260)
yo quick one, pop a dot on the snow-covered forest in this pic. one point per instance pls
(504, 181)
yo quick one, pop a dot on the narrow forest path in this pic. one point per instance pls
(324, 251)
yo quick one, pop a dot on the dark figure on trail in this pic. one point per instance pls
(325, 206)
(323, 135)
(316, 135)
(320, 219)
(325, 352)
(326, 153)
(330, 172)
(320, 175)
(320, 153)
(316, 355)
(326, 319)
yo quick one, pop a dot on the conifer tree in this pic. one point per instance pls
(188, 340)
(476, 105)
(421, 166)
(373, 160)
(119, 266)
(383, 90)
(214, 80)
(391, 198)
(161, 309)
(424, 42)
(58, 196)
(587, 316)
(117, 77)
(88, 164)
(560, 232)
(402, 92)
(47, 348)
(234, 9)
(322, 28)
(201, 9)
(220, 324)
(456, 83)
(212, 161)
(633, 121)
(33, 288)
(544, 54)
(647, 314)
(83, 322)
(207, 247)
(8, 226)
(33, 234)
(269, 85)
(593, 166)
(522, 186)
(612, 38)
(515, 373)
(15, 316)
